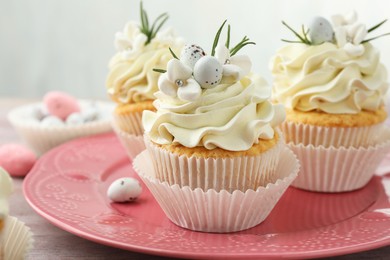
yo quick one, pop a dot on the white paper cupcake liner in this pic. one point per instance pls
(214, 211)
(42, 138)
(133, 144)
(130, 122)
(331, 136)
(17, 239)
(339, 169)
(236, 173)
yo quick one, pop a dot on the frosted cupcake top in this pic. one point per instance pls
(140, 48)
(333, 69)
(212, 101)
(6, 188)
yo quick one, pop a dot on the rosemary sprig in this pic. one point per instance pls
(245, 41)
(303, 39)
(173, 54)
(159, 70)
(216, 39)
(376, 26)
(228, 37)
(376, 37)
(145, 28)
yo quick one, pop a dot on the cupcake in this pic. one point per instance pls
(59, 118)
(213, 137)
(131, 81)
(333, 86)
(15, 237)
(5, 191)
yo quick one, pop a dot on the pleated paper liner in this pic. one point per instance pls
(223, 211)
(42, 138)
(17, 239)
(133, 144)
(236, 173)
(298, 133)
(130, 122)
(339, 169)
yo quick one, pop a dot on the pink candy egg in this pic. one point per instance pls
(60, 104)
(16, 159)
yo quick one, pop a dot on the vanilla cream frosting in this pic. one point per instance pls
(6, 188)
(131, 77)
(326, 78)
(229, 116)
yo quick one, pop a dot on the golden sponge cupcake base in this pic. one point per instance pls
(202, 152)
(230, 173)
(128, 117)
(317, 118)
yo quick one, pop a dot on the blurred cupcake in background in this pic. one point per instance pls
(333, 86)
(131, 81)
(15, 237)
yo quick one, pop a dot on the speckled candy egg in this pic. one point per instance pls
(124, 190)
(208, 72)
(191, 54)
(60, 104)
(75, 119)
(320, 30)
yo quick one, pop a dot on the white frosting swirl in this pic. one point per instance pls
(230, 116)
(131, 77)
(325, 78)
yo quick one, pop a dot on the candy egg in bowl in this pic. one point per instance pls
(58, 119)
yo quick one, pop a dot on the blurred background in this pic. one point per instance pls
(66, 45)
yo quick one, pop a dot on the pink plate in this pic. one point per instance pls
(68, 187)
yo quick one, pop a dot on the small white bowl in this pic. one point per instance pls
(42, 138)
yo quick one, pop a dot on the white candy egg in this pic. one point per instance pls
(38, 113)
(75, 119)
(90, 114)
(124, 189)
(208, 72)
(191, 54)
(52, 121)
(320, 30)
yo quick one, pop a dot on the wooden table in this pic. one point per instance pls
(54, 243)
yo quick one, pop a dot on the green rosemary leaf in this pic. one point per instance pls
(373, 38)
(153, 33)
(233, 50)
(173, 54)
(376, 26)
(240, 47)
(283, 40)
(228, 37)
(296, 34)
(305, 35)
(143, 24)
(216, 39)
(159, 70)
(161, 16)
(146, 19)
